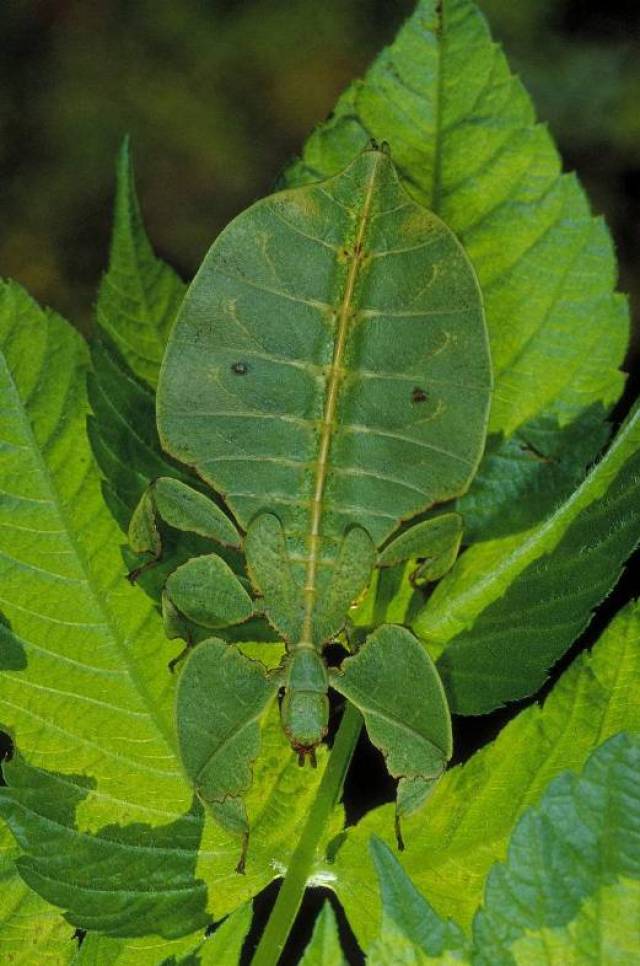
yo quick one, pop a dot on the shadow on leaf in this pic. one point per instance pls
(123, 880)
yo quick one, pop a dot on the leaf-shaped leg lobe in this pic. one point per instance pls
(268, 563)
(206, 591)
(394, 684)
(220, 699)
(350, 578)
(181, 507)
(436, 539)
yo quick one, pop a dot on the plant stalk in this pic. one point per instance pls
(295, 881)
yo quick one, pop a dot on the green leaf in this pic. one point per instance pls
(314, 371)
(604, 931)
(123, 434)
(392, 948)
(522, 478)
(222, 948)
(80, 699)
(324, 946)
(140, 295)
(406, 911)
(85, 690)
(31, 931)
(462, 133)
(511, 607)
(569, 891)
(570, 888)
(93, 876)
(465, 825)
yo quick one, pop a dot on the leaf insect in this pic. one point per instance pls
(293, 384)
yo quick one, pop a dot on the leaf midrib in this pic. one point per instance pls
(59, 506)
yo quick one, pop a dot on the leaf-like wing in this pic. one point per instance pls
(316, 366)
(462, 132)
(465, 825)
(140, 295)
(511, 607)
(96, 793)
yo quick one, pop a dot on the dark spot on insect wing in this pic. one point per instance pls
(418, 395)
(240, 368)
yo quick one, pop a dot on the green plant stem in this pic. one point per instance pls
(295, 881)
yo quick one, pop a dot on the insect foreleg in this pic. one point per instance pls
(181, 507)
(435, 541)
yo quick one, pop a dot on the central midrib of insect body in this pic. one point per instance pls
(335, 376)
(305, 706)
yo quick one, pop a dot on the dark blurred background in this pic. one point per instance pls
(219, 94)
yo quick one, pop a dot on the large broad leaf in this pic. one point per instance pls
(123, 434)
(511, 607)
(465, 825)
(315, 369)
(96, 795)
(570, 888)
(31, 930)
(568, 893)
(138, 300)
(462, 132)
(140, 295)
(522, 478)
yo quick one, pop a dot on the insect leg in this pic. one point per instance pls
(436, 541)
(181, 507)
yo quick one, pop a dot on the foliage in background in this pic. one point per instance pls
(217, 96)
(568, 892)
